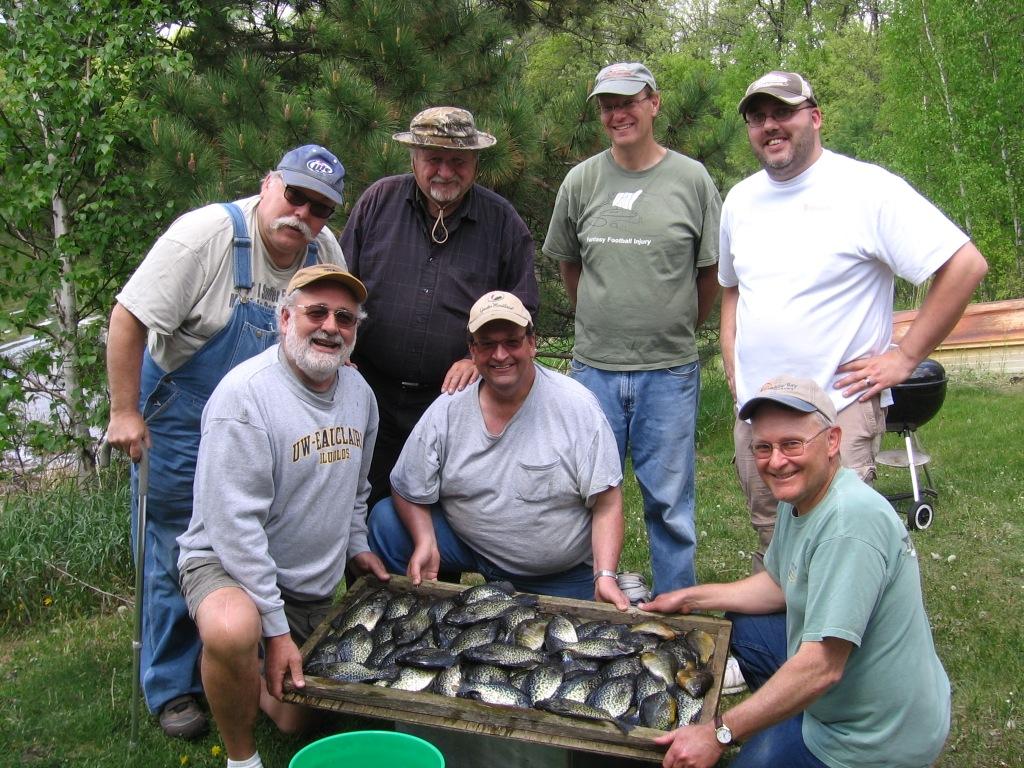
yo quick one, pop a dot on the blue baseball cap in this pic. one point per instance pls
(313, 167)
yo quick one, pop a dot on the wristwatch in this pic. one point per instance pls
(722, 732)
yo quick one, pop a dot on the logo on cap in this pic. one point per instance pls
(316, 165)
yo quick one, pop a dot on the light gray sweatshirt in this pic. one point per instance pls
(281, 482)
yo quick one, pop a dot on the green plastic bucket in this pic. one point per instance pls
(372, 749)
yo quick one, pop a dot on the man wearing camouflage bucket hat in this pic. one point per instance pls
(426, 244)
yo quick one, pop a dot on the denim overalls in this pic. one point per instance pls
(172, 406)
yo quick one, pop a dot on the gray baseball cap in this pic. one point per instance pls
(313, 167)
(626, 78)
(801, 395)
(788, 87)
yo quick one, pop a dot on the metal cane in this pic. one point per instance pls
(140, 554)
(140, 563)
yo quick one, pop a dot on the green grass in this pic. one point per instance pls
(65, 666)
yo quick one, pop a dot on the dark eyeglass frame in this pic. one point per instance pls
(623, 105)
(298, 198)
(788, 448)
(780, 115)
(490, 347)
(318, 314)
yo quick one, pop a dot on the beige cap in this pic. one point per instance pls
(498, 305)
(332, 272)
(801, 395)
(788, 87)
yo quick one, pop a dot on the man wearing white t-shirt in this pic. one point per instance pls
(809, 250)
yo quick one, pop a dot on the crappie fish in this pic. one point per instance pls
(484, 673)
(542, 682)
(696, 683)
(367, 611)
(473, 636)
(582, 711)
(503, 655)
(401, 605)
(448, 681)
(599, 648)
(614, 696)
(413, 679)
(530, 634)
(702, 644)
(354, 672)
(413, 626)
(560, 632)
(492, 590)
(661, 664)
(479, 610)
(688, 708)
(658, 710)
(494, 693)
(654, 627)
(646, 684)
(627, 665)
(427, 658)
(579, 688)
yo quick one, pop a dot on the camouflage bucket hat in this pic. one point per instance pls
(445, 128)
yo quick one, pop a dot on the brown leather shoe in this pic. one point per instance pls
(182, 718)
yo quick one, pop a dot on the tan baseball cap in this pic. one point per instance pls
(317, 272)
(801, 395)
(788, 87)
(498, 305)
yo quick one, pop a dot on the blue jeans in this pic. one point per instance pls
(759, 645)
(390, 541)
(654, 414)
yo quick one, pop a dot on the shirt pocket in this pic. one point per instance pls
(546, 482)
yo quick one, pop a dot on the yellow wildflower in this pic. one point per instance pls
(183, 759)
(48, 600)
(215, 750)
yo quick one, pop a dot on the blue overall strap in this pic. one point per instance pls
(242, 247)
(311, 253)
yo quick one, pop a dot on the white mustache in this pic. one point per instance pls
(292, 221)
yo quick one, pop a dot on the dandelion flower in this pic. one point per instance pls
(183, 759)
(215, 750)
(48, 600)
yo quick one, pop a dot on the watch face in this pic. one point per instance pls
(723, 734)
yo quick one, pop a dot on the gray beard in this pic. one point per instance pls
(319, 366)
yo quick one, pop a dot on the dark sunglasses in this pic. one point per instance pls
(318, 313)
(298, 198)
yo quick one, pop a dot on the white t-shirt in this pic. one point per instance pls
(814, 258)
(184, 290)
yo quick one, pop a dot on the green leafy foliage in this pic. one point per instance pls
(73, 208)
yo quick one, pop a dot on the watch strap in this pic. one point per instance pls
(605, 572)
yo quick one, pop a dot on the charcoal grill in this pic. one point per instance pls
(915, 402)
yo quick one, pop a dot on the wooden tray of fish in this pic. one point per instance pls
(567, 673)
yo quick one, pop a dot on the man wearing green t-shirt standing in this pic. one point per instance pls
(832, 636)
(635, 231)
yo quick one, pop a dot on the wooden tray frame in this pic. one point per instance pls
(504, 722)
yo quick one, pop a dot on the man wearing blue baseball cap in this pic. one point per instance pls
(201, 302)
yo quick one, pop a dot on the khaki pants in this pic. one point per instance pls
(863, 425)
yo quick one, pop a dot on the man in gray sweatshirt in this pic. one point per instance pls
(280, 505)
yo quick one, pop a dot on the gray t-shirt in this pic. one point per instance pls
(281, 488)
(641, 236)
(521, 499)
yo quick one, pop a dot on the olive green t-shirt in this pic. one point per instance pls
(641, 236)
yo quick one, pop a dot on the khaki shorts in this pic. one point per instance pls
(201, 576)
